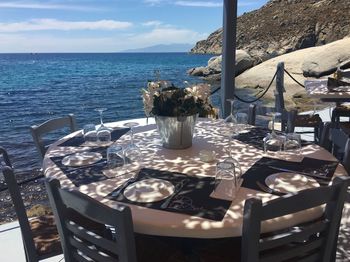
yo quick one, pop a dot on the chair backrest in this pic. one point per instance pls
(5, 157)
(341, 146)
(38, 131)
(325, 140)
(312, 241)
(251, 114)
(287, 117)
(26, 231)
(79, 243)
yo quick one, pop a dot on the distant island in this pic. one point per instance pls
(169, 48)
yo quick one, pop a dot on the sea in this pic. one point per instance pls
(37, 87)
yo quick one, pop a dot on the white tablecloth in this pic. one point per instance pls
(209, 135)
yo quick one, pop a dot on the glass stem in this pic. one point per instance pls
(231, 108)
(132, 135)
(273, 125)
(101, 120)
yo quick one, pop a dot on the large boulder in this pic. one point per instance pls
(324, 60)
(213, 69)
(259, 76)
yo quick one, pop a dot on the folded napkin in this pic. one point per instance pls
(79, 140)
(191, 196)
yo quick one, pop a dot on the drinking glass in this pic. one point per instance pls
(104, 136)
(225, 179)
(241, 124)
(292, 145)
(132, 152)
(131, 125)
(273, 141)
(115, 156)
(90, 133)
(231, 118)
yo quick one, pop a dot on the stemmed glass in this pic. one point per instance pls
(231, 118)
(103, 132)
(102, 125)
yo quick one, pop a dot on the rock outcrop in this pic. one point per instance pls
(213, 70)
(283, 26)
(326, 57)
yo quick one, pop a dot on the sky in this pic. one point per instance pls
(107, 25)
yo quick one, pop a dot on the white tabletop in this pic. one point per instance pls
(209, 136)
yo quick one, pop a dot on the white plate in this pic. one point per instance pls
(285, 182)
(149, 190)
(81, 159)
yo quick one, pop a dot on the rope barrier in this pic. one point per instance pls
(265, 91)
(259, 97)
(296, 81)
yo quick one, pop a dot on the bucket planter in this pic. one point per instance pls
(176, 132)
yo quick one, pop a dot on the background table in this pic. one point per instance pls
(208, 135)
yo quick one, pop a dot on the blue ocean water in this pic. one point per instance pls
(37, 87)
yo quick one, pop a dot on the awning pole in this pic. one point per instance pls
(228, 54)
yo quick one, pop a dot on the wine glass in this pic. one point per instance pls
(102, 125)
(231, 118)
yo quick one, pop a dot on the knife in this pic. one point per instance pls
(178, 188)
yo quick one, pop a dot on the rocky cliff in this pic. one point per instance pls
(283, 26)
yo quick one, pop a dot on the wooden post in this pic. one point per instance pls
(279, 100)
(228, 54)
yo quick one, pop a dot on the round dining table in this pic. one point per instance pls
(210, 135)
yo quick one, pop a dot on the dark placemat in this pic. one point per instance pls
(192, 198)
(256, 135)
(255, 176)
(79, 140)
(84, 175)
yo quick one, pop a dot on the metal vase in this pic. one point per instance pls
(176, 132)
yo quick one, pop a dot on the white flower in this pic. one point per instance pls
(153, 87)
(147, 98)
(201, 91)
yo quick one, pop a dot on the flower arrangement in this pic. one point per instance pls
(161, 98)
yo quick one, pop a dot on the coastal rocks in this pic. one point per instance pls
(283, 26)
(260, 75)
(213, 70)
(326, 59)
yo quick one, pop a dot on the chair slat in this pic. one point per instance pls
(316, 240)
(89, 252)
(311, 258)
(91, 212)
(94, 239)
(294, 252)
(286, 238)
(286, 205)
(78, 257)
